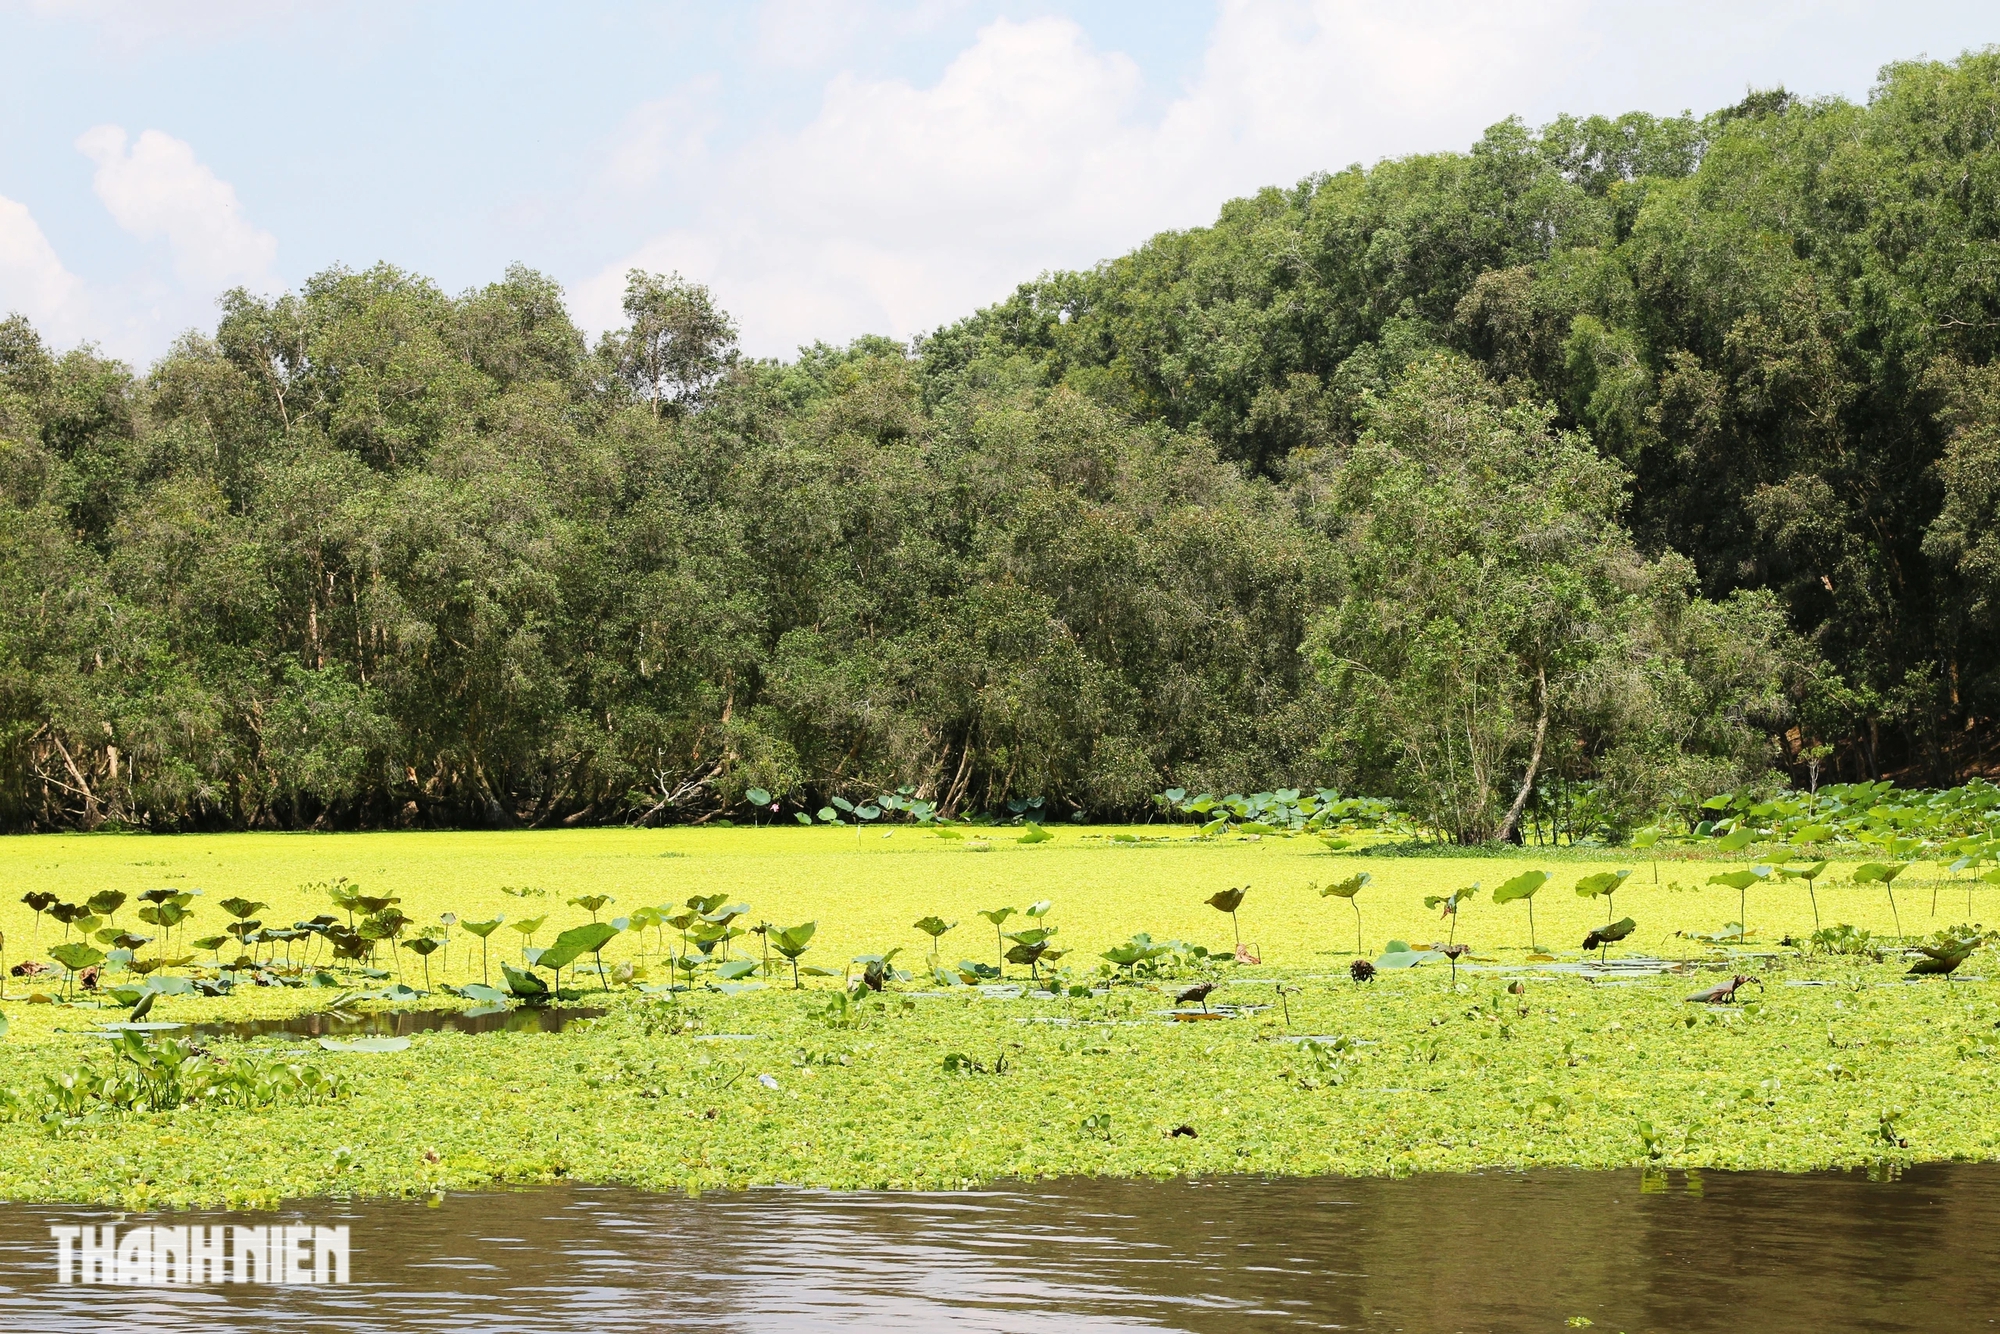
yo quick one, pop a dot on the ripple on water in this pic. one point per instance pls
(1718, 1251)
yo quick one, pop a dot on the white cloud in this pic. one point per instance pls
(33, 280)
(157, 187)
(900, 206)
(667, 135)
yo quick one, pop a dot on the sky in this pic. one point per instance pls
(829, 168)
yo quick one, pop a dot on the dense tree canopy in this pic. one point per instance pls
(1781, 320)
(1634, 453)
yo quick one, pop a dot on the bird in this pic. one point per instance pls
(1722, 992)
(1198, 992)
(1942, 960)
(1361, 970)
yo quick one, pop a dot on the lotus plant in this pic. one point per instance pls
(1348, 889)
(1604, 885)
(1808, 874)
(1883, 874)
(1229, 900)
(423, 947)
(1523, 886)
(483, 930)
(934, 927)
(527, 926)
(1740, 881)
(998, 916)
(792, 941)
(1450, 904)
(38, 903)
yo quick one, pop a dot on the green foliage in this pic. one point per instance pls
(1601, 884)
(1399, 954)
(1522, 886)
(1601, 936)
(1544, 452)
(791, 942)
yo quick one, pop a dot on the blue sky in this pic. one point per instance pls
(830, 167)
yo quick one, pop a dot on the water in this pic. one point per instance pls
(395, 1023)
(1749, 1252)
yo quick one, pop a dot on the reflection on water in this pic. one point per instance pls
(396, 1023)
(1736, 1252)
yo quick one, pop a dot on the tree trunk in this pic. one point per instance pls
(1534, 763)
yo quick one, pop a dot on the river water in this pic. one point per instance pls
(1748, 1253)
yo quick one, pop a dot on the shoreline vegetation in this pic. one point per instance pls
(1558, 482)
(1832, 1056)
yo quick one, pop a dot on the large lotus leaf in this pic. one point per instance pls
(1398, 954)
(1739, 880)
(588, 938)
(366, 1044)
(521, 983)
(1522, 886)
(1227, 900)
(1605, 935)
(75, 955)
(791, 941)
(1736, 839)
(1347, 888)
(1604, 882)
(557, 956)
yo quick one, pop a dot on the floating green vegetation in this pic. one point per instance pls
(758, 1028)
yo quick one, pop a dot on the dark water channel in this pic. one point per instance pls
(1757, 1253)
(395, 1023)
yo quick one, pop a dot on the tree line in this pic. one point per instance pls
(1636, 456)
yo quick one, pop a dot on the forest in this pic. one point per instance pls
(1631, 460)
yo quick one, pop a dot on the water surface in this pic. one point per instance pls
(1746, 1252)
(398, 1023)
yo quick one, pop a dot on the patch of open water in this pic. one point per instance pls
(395, 1023)
(1494, 1252)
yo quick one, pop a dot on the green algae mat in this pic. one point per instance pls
(1524, 1058)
